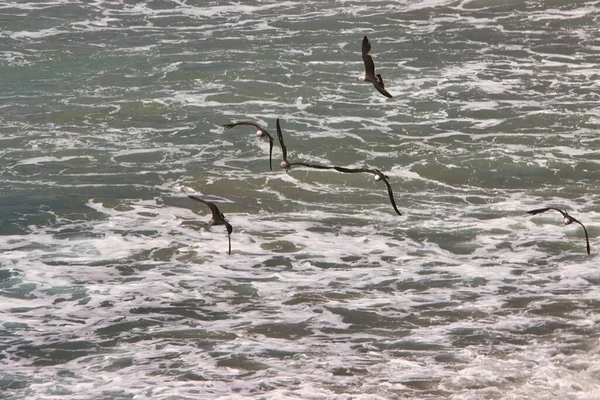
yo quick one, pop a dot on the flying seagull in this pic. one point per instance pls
(369, 75)
(379, 176)
(217, 218)
(261, 132)
(285, 164)
(567, 220)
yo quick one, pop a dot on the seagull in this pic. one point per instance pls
(217, 218)
(261, 132)
(369, 75)
(287, 165)
(379, 176)
(567, 220)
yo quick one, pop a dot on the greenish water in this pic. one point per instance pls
(112, 287)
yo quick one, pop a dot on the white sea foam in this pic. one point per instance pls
(42, 160)
(113, 285)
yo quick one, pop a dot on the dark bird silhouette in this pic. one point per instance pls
(567, 219)
(285, 164)
(379, 176)
(217, 217)
(261, 132)
(369, 75)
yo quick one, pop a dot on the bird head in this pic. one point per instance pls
(379, 175)
(567, 218)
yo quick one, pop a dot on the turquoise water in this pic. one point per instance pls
(112, 287)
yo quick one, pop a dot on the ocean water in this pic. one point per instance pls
(113, 287)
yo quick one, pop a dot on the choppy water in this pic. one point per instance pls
(112, 288)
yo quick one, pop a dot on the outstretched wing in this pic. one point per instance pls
(229, 126)
(381, 90)
(538, 211)
(229, 230)
(380, 86)
(366, 46)
(542, 210)
(587, 239)
(374, 172)
(213, 208)
(391, 193)
(280, 136)
(367, 170)
(367, 59)
(270, 153)
(312, 165)
(351, 170)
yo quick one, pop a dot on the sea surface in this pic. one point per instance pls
(113, 287)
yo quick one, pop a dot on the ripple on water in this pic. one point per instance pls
(113, 286)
